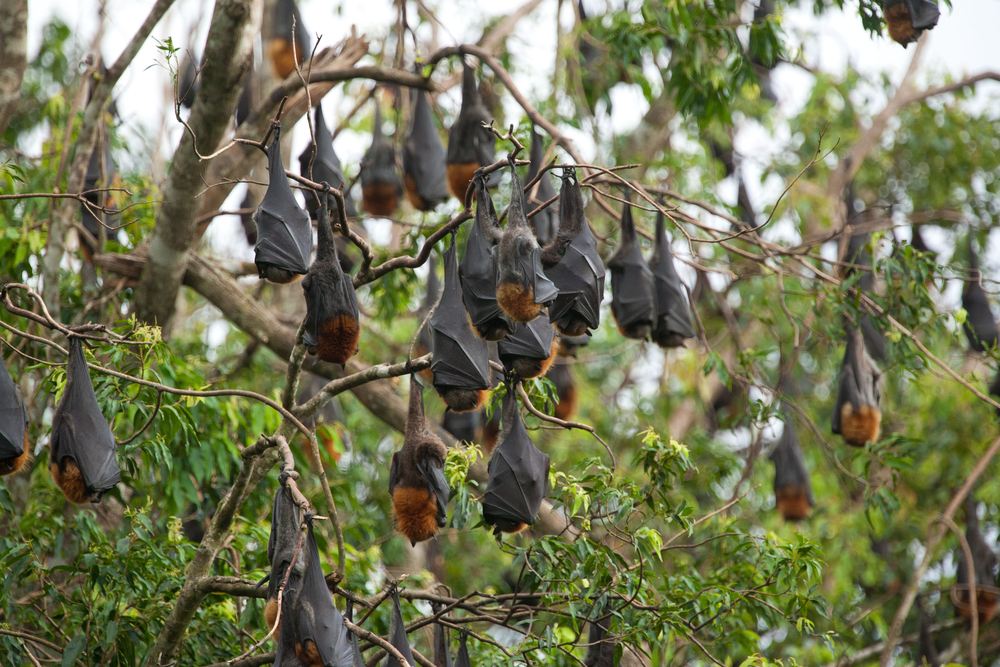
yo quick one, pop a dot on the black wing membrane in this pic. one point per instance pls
(527, 265)
(673, 315)
(545, 222)
(397, 635)
(317, 619)
(984, 562)
(633, 290)
(463, 425)
(470, 145)
(478, 270)
(81, 437)
(284, 233)
(857, 254)
(326, 168)
(438, 485)
(358, 660)
(856, 414)
(529, 351)
(980, 327)
(424, 159)
(380, 184)
(463, 652)
(793, 494)
(442, 652)
(579, 273)
(102, 172)
(13, 424)
(518, 475)
(461, 358)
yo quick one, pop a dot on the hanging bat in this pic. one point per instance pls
(284, 233)
(572, 263)
(331, 329)
(980, 327)
(530, 350)
(601, 650)
(424, 159)
(325, 169)
(928, 651)
(102, 172)
(442, 652)
(357, 659)
(478, 270)
(489, 433)
(380, 186)
(425, 341)
(793, 494)
(545, 222)
(673, 315)
(417, 483)
(522, 288)
(858, 256)
(291, 43)
(397, 635)
(82, 459)
(856, 414)
(518, 475)
(907, 19)
(15, 451)
(568, 345)
(461, 363)
(562, 378)
(633, 290)
(463, 425)
(463, 651)
(245, 104)
(281, 547)
(984, 562)
(470, 145)
(187, 85)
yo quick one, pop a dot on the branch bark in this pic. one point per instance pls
(228, 59)
(13, 56)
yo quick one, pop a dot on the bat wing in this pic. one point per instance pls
(461, 358)
(397, 635)
(438, 484)
(789, 464)
(79, 429)
(463, 653)
(478, 278)
(632, 290)
(462, 425)
(283, 538)
(579, 276)
(671, 305)
(394, 473)
(325, 167)
(532, 340)
(13, 417)
(980, 327)
(317, 618)
(518, 474)
(327, 297)
(924, 14)
(425, 158)
(284, 233)
(545, 289)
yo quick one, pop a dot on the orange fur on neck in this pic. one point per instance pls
(861, 425)
(518, 302)
(308, 654)
(793, 503)
(416, 513)
(463, 400)
(511, 528)
(900, 24)
(271, 613)
(459, 177)
(282, 58)
(70, 480)
(413, 194)
(566, 406)
(986, 605)
(379, 199)
(338, 339)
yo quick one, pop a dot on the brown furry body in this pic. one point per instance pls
(986, 605)
(638, 331)
(459, 178)
(518, 302)
(69, 478)
(463, 400)
(273, 274)
(308, 654)
(338, 339)
(271, 613)
(860, 425)
(793, 503)
(566, 406)
(413, 194)
(380, 199)
(532, 368)
(488, 437)
(415, 513)
(282, 56)
(12, 465)
(900, 24)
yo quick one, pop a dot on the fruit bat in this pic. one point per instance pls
(518, 475)
(82, 460)
(984, 562)
(284, 234)
(857, 254)
(463, 425)
(673, 315)
(546, 222)
(470, 145)
(573, 265)
(287, 27)
(792, 491)
(14, 448)
(463, 651)
(478, 270)
(461, 363)
(568, 345)
(245, 104)
(562, 378)
(529, 351)
(417, 483)
(856, 414)
(442, 652)
(522, 287)
(633, 289)
(187, 85)
(102, 172)
(331, 329)
(424, 159)
(425, 340)
(325, 169)
(397, 635)
(980, 327)
(928, 651)
(907, 19)
(380, 186)
(357, 659)
(601, 650)
(281, 544)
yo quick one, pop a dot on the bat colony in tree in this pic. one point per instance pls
(522, 294)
